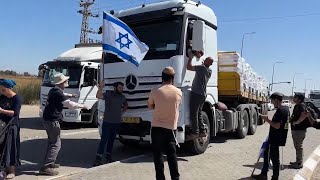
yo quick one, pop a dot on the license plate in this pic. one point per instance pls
(131, 120)
(70, 114)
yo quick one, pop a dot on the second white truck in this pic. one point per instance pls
(82, 64)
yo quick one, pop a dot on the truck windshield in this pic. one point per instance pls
(73, 72)
(314, 96)
(162, 36)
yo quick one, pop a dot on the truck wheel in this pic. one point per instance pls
(199, 146)
(94, 122)
(254, 123)
(243, 125)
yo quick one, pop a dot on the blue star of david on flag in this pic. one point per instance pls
(119, 40)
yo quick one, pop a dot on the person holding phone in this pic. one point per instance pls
(277, 137)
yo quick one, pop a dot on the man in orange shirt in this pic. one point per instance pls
(165, 101)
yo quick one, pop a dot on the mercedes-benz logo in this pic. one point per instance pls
(131, 82)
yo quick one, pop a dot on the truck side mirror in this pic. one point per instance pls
(198, 35)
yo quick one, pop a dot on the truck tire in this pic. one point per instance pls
(254, 123)
(94, 122)
(199, 146)
(243, 126)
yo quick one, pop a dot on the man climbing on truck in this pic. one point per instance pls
(198, 94)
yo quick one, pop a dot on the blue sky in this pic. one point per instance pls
(34, 31)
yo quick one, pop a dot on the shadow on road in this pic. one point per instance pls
(148, 158)
(74, 153)
(222, 138)
(259, 166)
(246, 178)
(31, 123)
(35, 123)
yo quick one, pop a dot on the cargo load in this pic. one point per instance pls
(237, 78)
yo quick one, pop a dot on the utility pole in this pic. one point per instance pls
(273, 74)
(243, 40)
(293, 80)
(86, 13)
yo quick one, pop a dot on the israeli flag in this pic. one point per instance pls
(119, 39)
(264, 146)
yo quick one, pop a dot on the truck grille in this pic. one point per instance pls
(136, 90)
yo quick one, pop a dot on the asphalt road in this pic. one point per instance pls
(79, 144)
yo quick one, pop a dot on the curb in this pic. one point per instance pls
(309, 166)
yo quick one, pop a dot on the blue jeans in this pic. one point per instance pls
(109, 132)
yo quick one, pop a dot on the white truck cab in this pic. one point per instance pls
(167, 28)
(82, 65)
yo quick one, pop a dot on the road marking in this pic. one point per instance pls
(28, 162)
(78, 132)
(62, 134)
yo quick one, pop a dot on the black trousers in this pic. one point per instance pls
(196, 105)
(163, 141)
(273, 152)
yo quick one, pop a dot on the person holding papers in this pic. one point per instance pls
(277, 137)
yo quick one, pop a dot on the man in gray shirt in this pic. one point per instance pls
(198, 95)
(115, 106)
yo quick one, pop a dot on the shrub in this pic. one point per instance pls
(27, 87)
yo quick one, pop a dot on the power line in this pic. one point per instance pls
(110, 6)
(270, 18)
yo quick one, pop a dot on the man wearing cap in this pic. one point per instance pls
(10, 105)
(198, 94)
(277, 137)
(165, 101)
(52, 114)
(298, 128)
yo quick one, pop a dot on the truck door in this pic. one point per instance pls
(88, 87)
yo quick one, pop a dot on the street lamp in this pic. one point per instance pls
(243, 40)
(284, 82)
(294, 82)
(273, 73)
(305, 85)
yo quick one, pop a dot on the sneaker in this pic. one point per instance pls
(10, 176)
(54, 166)
(48, 171)
(97, 162)
(296, 165)
(192, 137)
(260, 177)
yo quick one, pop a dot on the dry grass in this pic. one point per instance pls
(27, 87)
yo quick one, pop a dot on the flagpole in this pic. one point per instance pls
(255, 166)
(282, 167)
(103, 54)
